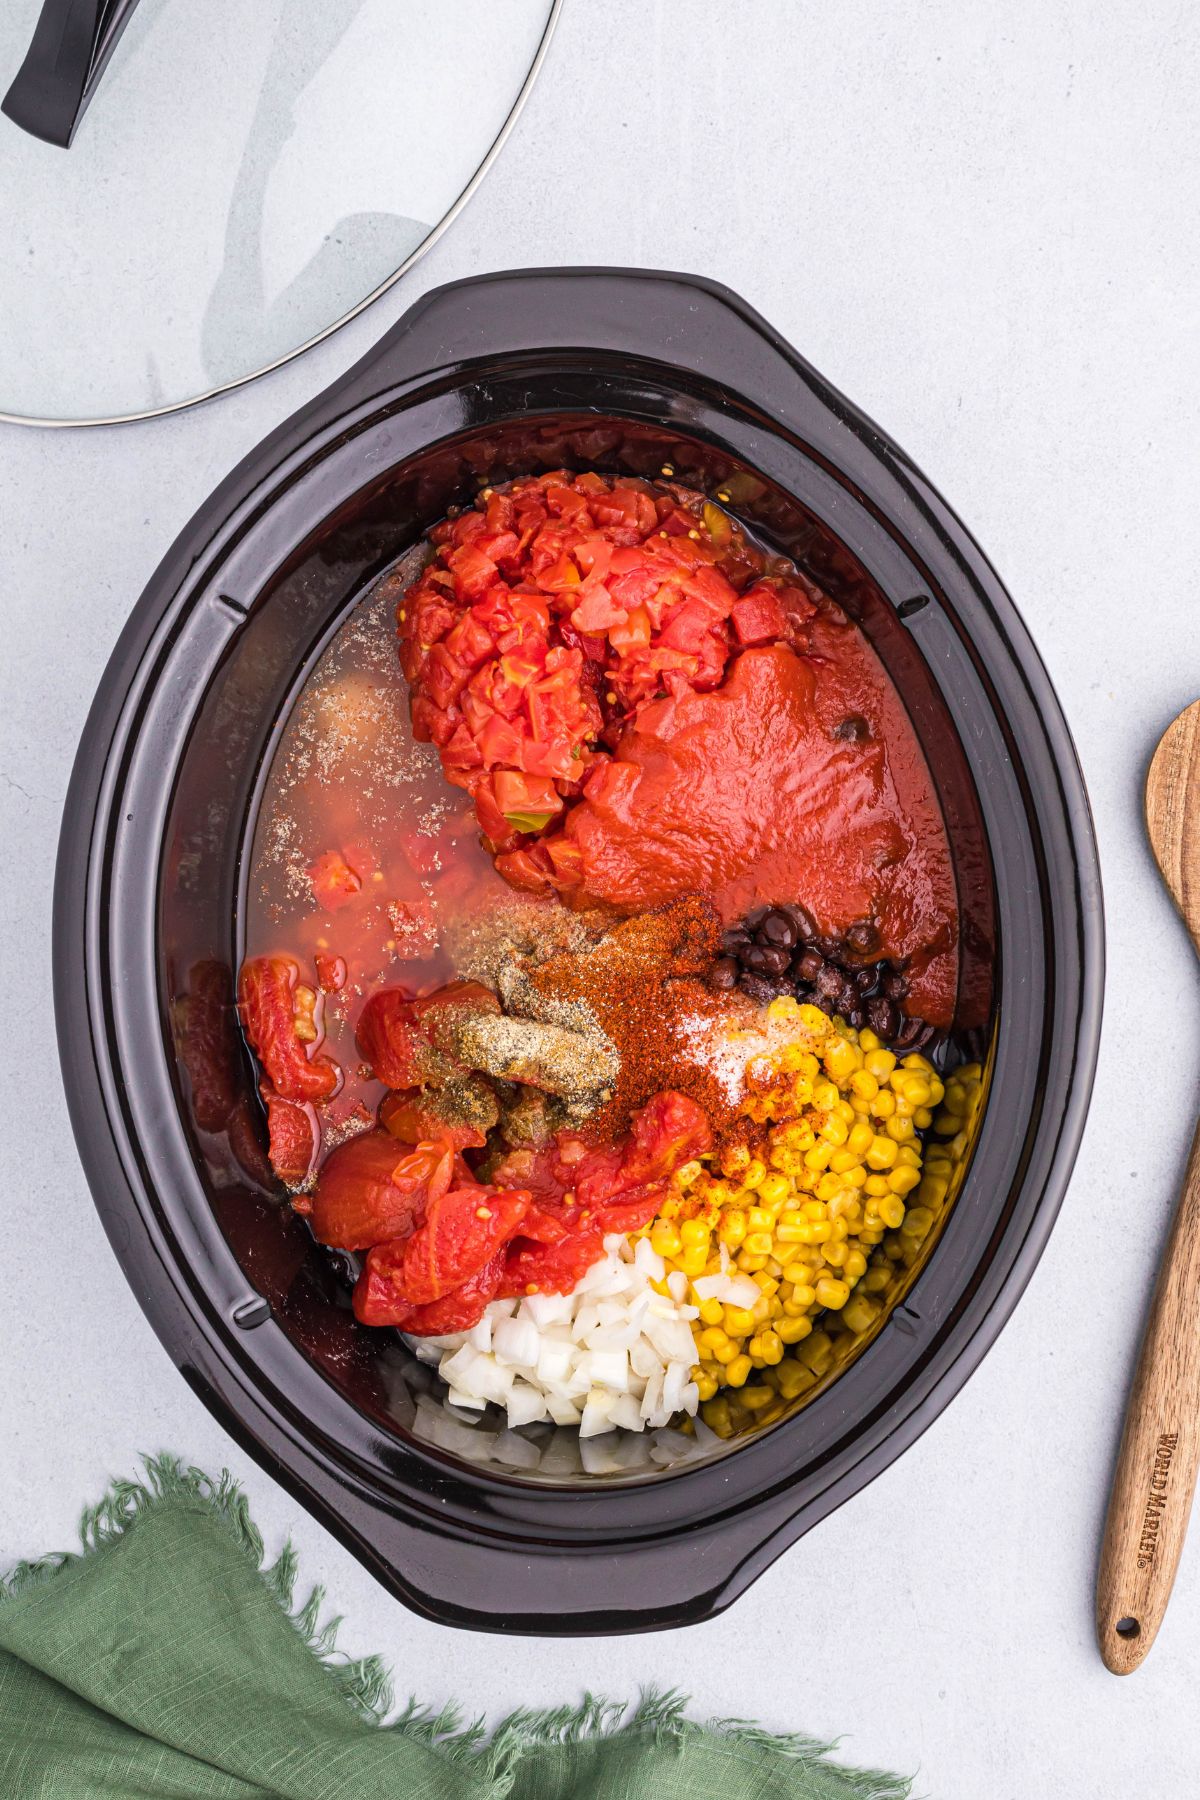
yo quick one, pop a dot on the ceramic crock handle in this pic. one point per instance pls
(1156, 1464)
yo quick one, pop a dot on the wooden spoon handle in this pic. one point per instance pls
(1160, 1446)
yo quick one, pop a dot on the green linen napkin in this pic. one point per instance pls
(166, 1661)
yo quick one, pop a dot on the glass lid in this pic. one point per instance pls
(246, 175)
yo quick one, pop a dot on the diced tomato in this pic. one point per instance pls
(443, 677)
(378, 1300)
(533, 1268)
(461, 1232)
(522, 797)
(567, 862)
(597, 610)
(265, 988)
(521, 869)
(334, 882)
(578, 601)
(331, 972)
(293, 1137)
(399, 1052)
(492, 822)
(473, 572)
(758, 618)
(498, 742)
(373, 1188)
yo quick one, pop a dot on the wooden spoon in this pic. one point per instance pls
(1160, 1446)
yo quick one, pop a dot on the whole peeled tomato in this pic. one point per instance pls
(373, 1189)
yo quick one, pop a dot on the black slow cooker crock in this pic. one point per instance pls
(615, 370)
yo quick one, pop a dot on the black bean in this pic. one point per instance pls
(777, 928)
(882, 1017)
(808, 966)
(773, 959)
(856, 1016)
(863, 937)
(757, 988)
(828, 983)
(753, 958)
(866, 979)
(735, 940)
(725, 972)
(853, 729)
(804, 922)
(895, 984)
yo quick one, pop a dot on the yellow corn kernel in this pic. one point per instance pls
(789, 1231)
(917, 1221)
(835, 1254)
(774, 1190)
(737, 1372)
(832, 1293)
(726, 1353)
(706, 1386)
(738, 1321)
(767, 1346)
(793, 1331)
(711, 1312)
(855, 1266)
(792, 1378)
(933, 1190)
(715, 1414)
(898, 1128)
(754, 1174)
(881, 1155)
(880, 1062)
(817, 1159)
(756, 1399)
(891, 1211)
(860, 1138)
(814, 1021)
(694, 1233)
(693, 1262)
(816, 1231)
(842, 1161)
(731, 1227)
(829, 1187)
(883, 1105)
(860, 1313)
(841, 1058)
(664, 1239)
(749, 1263)
(903, 1179)
(817, 1352)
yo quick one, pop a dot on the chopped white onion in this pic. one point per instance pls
(614, 1356)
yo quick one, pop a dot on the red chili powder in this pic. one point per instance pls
(640, 984)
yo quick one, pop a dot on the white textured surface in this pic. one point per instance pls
(980, 223)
